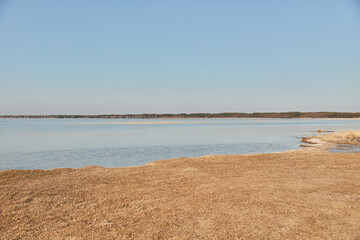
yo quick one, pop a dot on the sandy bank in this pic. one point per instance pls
(327, 141)
(143, 123)
(298, 194)
(204, 122)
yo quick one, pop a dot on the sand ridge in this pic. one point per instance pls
(144, 123)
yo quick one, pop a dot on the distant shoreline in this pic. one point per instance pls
(230, 115)
(355, 118)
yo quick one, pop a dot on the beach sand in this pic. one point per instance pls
(302, 194)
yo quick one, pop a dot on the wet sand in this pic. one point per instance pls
(302, 194)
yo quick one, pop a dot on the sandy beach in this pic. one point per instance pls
(303, 194)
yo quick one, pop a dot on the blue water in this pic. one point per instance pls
(55, 143)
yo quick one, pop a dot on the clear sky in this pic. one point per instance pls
(95, 57)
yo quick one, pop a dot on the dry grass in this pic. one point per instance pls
(291, 195)
(332, 140)
(343, 137)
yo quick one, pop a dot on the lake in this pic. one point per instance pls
(59, 143)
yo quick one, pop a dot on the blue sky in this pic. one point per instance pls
(95, 57)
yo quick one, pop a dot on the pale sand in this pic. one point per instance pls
(301, 194)
(136, 123)
(238, 122)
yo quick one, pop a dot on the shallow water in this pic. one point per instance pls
(346, 148)
(54, 143)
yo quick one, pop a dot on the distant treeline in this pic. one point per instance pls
(203, 115)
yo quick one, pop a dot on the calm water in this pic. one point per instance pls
(54, 143)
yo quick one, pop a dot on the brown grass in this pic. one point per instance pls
(291, 195)
(343, 137)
